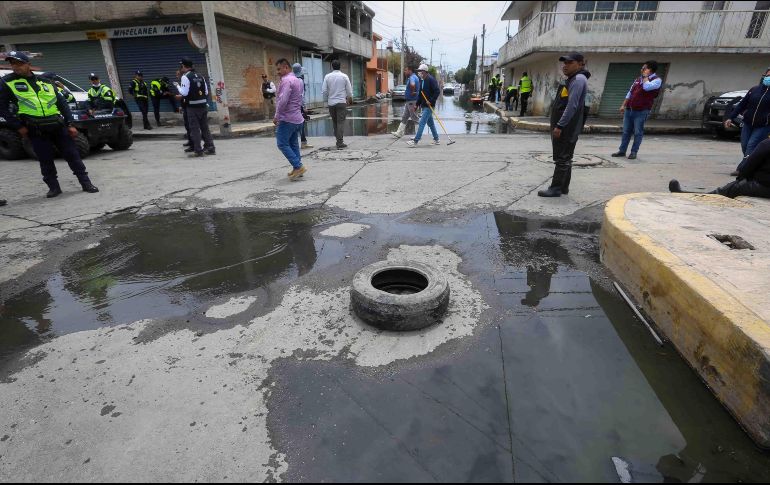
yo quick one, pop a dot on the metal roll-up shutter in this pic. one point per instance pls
(620, 76)
(156, 57)
(71, 60)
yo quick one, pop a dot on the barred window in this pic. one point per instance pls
(624, 10)
(281, 5)
(758, 20)
(548, 17)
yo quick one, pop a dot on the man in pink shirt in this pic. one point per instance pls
(288, 117)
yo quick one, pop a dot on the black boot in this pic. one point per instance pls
(567, 180)
(54, 190)
(559, 175)
(147, 126)
(675, 188)
(2, 202)
(85, 182)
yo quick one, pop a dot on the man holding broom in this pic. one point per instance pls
(429, 93)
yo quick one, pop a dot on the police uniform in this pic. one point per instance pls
(160, 89)
(194, 91)
(141, 93)
(525, 91)
(512, 98)
(100, 96)
(45, 113)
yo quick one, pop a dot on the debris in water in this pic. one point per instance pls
(623, 468)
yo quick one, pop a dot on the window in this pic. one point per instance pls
(758, 20)
(339, 14)
(548, 17)
(281, 5)
(714, 5)
(630, 10)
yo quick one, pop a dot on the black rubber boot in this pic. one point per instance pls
(54, 190)
(559, 176)
(87, 186)
(567, 180)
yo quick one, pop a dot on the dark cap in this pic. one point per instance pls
(139, 73)
(19, 56)
(93, 76)
(572, 56)
(164, 79)
(186, 62)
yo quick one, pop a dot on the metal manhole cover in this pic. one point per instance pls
(344, 155)
(586, 161)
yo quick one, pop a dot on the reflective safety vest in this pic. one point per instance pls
(139, 89)
(157, 88)
(68, 96)
(526, 84)
(512, 89)
(37, 104)
(102, 92)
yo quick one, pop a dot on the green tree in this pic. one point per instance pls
(433, 71)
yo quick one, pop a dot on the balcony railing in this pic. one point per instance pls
(702, 31)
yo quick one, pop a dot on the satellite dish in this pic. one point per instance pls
(196, 36)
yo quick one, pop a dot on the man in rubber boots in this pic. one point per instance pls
(567, 119)
(753, 179)
(141, 93)
(411, 94)
(44, 116)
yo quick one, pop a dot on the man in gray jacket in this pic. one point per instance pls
(338, 93)
(567, 120)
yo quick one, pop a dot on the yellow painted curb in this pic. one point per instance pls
(724, 341)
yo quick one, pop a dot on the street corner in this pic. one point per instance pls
(698, 265)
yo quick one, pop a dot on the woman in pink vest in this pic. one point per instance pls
(636, 108)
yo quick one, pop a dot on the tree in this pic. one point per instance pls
(433, 71)
(472, 60)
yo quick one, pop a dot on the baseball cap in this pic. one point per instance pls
(423, 67)
(186, 62)
(139, 73)
(19, 56)
(93, 76)
(572, 56)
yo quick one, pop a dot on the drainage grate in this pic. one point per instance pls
(732, 242)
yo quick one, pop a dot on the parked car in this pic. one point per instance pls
(398, 93)
(716, 110)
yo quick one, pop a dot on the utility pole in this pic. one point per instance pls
(431, 50)
(217, 76)
(483, 34)
(403, 11)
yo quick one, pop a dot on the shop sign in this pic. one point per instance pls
(147, 31)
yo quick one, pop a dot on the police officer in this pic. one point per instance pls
(44, 116)
(141, 93)
(194, 92)
(512, 98)
(525, 91)
(100, 96)
(160, 89)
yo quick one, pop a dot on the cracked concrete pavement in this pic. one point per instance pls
(184, 387)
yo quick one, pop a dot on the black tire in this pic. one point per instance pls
(124, 140)
(11, 146)
(83, 145)
(424, 302)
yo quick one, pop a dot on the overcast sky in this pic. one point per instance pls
(453, 23)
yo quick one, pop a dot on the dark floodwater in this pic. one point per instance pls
(559, 379)
(457, 113)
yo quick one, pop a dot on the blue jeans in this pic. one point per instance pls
(287, 138)
(750, 138)
(633, 123)
(426, 117)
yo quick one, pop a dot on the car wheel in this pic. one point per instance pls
(400, 295)
(124, 139)
(83, 145)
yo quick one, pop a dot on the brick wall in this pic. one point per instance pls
(314, 19)
(243, 60)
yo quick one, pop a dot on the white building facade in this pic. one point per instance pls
(704, 48)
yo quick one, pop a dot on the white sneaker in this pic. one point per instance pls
(435, 142)
(411, 143)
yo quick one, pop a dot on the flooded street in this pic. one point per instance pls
(558, 382)
(457, 113)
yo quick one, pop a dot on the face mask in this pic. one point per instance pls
(766, 81)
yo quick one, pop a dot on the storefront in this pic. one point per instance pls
(71, 60)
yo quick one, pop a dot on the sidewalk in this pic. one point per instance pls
(599, 125)
(176, 131)
(708, 297)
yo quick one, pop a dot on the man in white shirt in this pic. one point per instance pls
(338, 93)
(194, 92)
